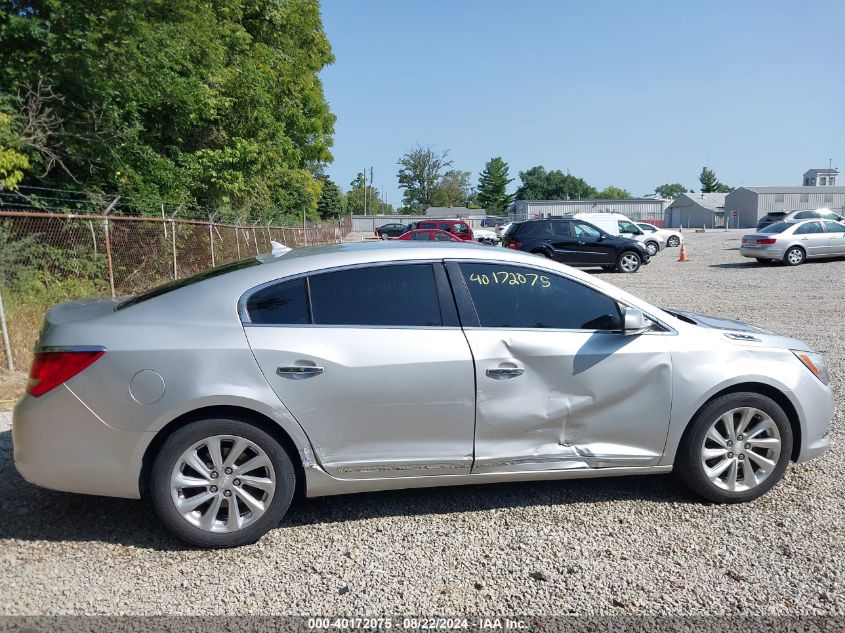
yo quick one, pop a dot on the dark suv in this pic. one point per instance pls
(795, 216)
(576, 243)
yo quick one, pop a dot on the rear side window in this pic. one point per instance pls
(542, 228)
(422, 236)
(805, 215)
(426, 225)
(809, 227)
(518, 297)
(777, 227)
(284, 303)
(378, 296)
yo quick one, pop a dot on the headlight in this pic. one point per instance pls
(815, 363)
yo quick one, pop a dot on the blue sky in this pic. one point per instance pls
(633, 93)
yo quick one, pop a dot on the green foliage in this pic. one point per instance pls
(492, 186)
(216, 104)
(711, 184)
(331, 202)
(613, 193)
(670, 191)
(12, 161)
(355, 198)
(539, 184)
(420, 172)
(453, 189)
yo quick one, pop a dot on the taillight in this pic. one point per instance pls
(767, 240)
(51, 369)
(514, 245)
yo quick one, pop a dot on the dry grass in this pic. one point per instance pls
(12, 385)
(24, 322)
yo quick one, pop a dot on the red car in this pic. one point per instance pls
(430, 235)
(459, 228)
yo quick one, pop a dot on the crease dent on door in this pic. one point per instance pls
(571, 412)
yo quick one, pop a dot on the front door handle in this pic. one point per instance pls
(500, 373)
(299, 371)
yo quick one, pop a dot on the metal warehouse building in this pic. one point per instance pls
(697, 210)
(642, 209)
(752, 203)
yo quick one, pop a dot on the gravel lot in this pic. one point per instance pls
(635, 545)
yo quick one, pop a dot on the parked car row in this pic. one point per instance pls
(795, 216)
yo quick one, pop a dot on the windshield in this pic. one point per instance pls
(777, 227)
(187, 281)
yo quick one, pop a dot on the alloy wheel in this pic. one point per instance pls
(741, 449)
(222, 483)
(629, 262)
(673, 241)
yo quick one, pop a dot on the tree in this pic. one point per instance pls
(330, 204)
(453, 189)
(356, 195)
(217, 104)
(420, 171)
(711, 184)
(492, 187)
(539, 184)
(670, 191)
(613, 193)
(12, 161)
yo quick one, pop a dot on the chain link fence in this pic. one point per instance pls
(47, 258)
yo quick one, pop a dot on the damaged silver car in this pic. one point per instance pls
(360, 367)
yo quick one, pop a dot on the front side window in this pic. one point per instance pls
(628, 227)
(442, 237)
(401, 295)
(285, 303)
(834, 227)
(526, 298)
(461, 228)
(647, 227)
(580, 229)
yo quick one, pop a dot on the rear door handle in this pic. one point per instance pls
(500, 373)
(299, 371)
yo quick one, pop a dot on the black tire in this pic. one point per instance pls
(652, 246)
(542, 254)
(180, 441)
(689, 468)
(794, 256)
(609, 267)
(620, 262)
(673, 241)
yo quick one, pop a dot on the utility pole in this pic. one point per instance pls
(365, 190)
(371, 185)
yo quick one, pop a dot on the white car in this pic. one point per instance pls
(672, 237)
(623, 226)
(486, 236)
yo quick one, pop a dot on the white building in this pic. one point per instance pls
(752, 203)
(820, 177)
(697, 210)
(640, 209)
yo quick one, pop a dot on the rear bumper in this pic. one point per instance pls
(61, 444)
(772, 251)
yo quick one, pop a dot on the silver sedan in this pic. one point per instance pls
(373, 366)
(795, 242)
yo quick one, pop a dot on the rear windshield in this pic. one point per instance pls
(774, 215)
(777, 227)
(187, 281)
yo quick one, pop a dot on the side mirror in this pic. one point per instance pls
(633, 321)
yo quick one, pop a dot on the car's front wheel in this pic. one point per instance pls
(652, 248)
(221, 483)
(673, 241)
(628, 262)
(736, 448)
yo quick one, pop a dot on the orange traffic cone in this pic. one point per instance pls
(683, 254)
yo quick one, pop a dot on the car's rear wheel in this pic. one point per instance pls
(221, 483)
(673, 241)
(542, 254)
(628, 262)
(652, 248)
(794, 256)
(736, 448)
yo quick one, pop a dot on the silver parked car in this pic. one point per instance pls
(374, 366)
(795, 242)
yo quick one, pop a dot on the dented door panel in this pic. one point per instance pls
(585, 399)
